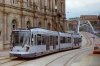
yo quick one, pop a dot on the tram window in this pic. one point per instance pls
(68, 40)
(39, 41)
(32, 39)
(77, 40)
(35, 41)
(51, 40)
(48, 40)
(43, 39)
(61, 39)
(56, 40)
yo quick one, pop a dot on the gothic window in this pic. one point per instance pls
(28, 24)
(14, 24)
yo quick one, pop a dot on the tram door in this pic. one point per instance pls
(47, 43)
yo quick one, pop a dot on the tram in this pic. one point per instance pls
(34, 42)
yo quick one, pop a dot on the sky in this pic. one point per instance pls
(75, 8)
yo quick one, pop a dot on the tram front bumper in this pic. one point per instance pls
(22, 54)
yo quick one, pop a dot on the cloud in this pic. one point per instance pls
(78, 7)
(80, 3)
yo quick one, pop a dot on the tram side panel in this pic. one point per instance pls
(65, 43)
(77, 42)
(45, 44)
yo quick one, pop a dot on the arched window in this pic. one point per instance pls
(55, 26)
(49, 26)
(0, 33)
(28, 24)
(14, 24)
(39, 24)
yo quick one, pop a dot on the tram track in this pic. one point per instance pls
(67, 55)
(3, 57)
(12, 62)
(76, 55)
(6, 60)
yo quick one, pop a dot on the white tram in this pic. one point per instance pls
(37, 42)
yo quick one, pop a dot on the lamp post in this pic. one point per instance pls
(57, 27)
(21, 16)
(45, 15)
(45, 12)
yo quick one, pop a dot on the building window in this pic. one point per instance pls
(61, 7)
(14, 24)
(28, 24)
(15, 1)
(39, 24)
(29, 3)
(56, 2)
(0, 33)
(49, 26)
(49, 4)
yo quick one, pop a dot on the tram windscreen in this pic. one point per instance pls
(20, 38)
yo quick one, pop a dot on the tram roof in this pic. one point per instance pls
(49, 32)
(44, 31)
(20, 30)
(76, 35)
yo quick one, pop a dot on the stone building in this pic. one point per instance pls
(14, 14)
(72, 25)
(94, 19)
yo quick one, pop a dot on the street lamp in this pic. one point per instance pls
(56, 16)
(57, 27)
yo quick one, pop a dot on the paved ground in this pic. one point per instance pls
(4, 53)
(90, 59)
